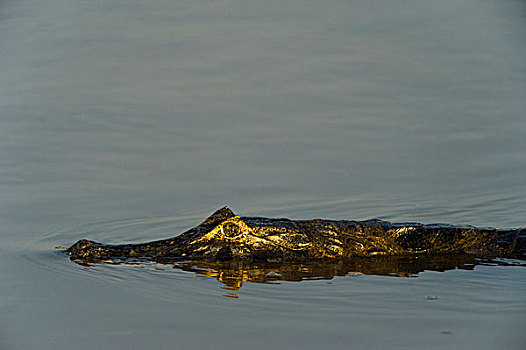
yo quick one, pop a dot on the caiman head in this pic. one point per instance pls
(223, 236)
(226, 236)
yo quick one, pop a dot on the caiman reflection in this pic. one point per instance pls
(233, 274)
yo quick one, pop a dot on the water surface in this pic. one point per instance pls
(128, 122)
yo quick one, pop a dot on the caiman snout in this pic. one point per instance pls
(82, 248)
(82, 244)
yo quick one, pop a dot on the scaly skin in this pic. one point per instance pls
(225, 236)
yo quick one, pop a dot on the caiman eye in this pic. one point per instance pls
(231, 230)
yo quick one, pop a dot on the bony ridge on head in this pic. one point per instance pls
(232, 228)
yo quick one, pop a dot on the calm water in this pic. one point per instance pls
(132, 121)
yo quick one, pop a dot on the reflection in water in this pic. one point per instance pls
(232, 274)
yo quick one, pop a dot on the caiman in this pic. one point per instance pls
(224, 236)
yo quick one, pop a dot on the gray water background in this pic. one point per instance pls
(132, 121)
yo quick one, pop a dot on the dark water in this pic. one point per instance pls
(132, 121)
